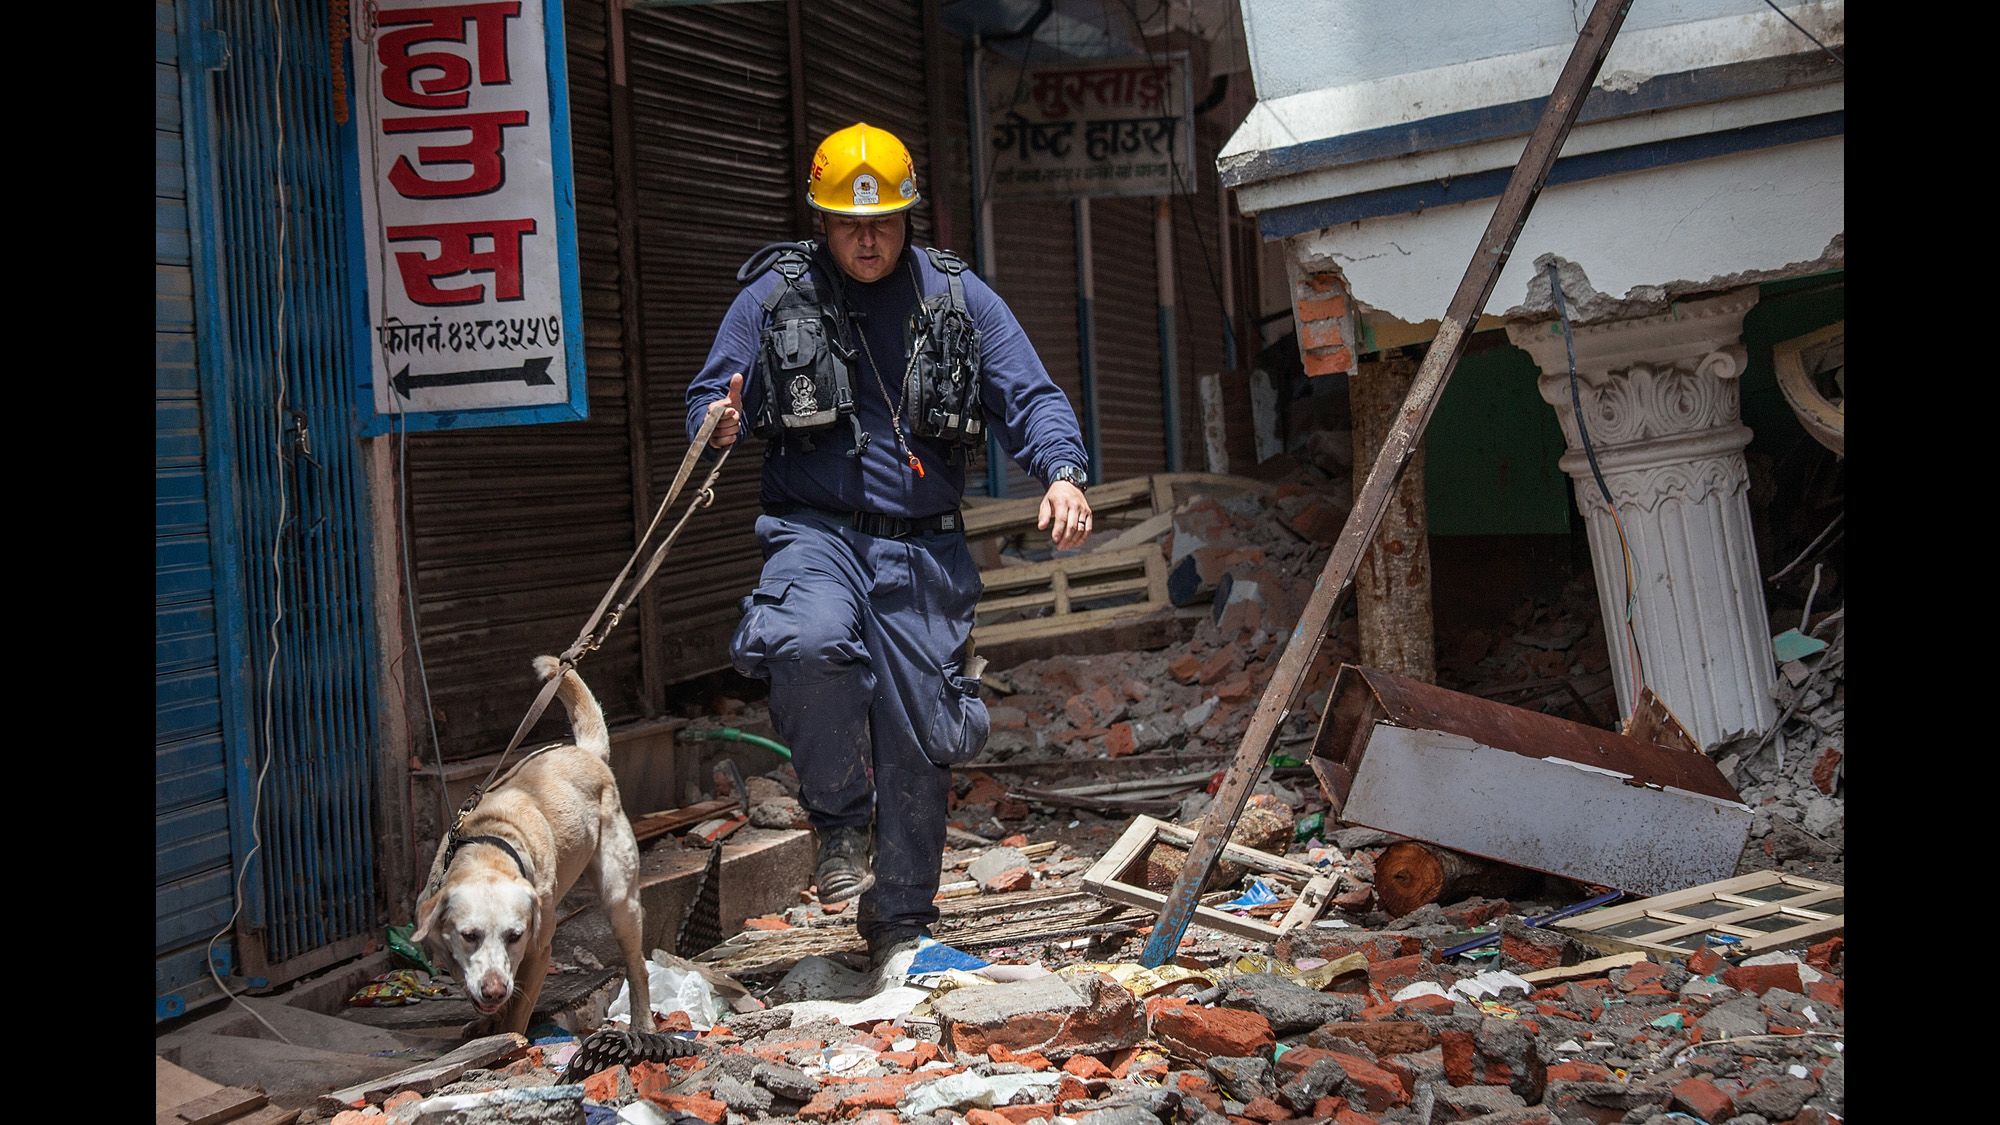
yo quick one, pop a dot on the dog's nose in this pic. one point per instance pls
(493, 988)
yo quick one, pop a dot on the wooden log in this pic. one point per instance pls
(1410, 874)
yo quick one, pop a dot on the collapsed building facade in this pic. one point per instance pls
(358, 608)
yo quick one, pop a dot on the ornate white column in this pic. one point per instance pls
(1661, 401)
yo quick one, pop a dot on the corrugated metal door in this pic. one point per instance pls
(1131, 403)
(272, 298)
(711, 100)
(865, 62)
(192, 893)
(1199, 330)
(518, 530)
(1035, 244)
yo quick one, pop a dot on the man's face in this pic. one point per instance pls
(866, 248)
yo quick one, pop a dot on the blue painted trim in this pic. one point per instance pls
(361, 407)
(220, 456)
(1283, 222)
(1516, 119)
(577, 409)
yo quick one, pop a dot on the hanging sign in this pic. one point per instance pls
(1107, 127)
(468, 215)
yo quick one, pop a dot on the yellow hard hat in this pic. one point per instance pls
(862, 170)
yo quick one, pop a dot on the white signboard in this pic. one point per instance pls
(1107, 127)
(468, 220)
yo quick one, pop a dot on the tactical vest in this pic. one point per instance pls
(806, 362)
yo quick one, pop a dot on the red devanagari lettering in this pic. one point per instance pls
(449, 88)
(482, 153)
(456, 255)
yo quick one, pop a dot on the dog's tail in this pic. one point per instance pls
(586, 719)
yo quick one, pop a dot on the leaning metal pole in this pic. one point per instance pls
(1334, 582)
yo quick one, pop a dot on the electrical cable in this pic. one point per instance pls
(278, 532)
(1597, 474)
(1809, 35)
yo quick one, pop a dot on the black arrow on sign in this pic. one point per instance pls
(534, 372)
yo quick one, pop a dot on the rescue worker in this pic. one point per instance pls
(871, 369)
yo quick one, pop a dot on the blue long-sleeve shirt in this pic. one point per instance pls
(1031, 415)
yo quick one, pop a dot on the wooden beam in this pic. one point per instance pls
(1371, 500)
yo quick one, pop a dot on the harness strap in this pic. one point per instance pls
(587, 641)
(503, 846)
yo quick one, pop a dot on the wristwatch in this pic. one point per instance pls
(1071, 474)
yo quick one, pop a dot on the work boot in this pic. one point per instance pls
(884, 943)
(844, 870)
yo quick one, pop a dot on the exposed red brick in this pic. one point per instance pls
(706, 1108)
(1823, 955)
(1320, 308)
(1375, 1088)
(1261, 1108)
(1704, 1099)
(1705, 961)
(1763, 978)
(406, 1097)
(1428, 1005)
(1186, 667)
(1823, 770)
(1578, 1072)
(1393, 974)
(1196, 1085)
(1381, 1037)
(1033, 1060)
(1322, 334)
(652, 1080)
(1071, 1089)
(1328, 361)
(1828, 990)
(606, 1086)
(1197, 1034)
(1330, 1107)
(1120, 740)
(1022, 1114)
(1087, 1066)
(1223, 661)
(1645, 972)
(766, 922)
(1532, 955)
(985, 1117)
(1314, 284)
(1349, 1117)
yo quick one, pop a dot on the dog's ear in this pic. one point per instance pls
(428, 913)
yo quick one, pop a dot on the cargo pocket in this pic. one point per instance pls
(960, 724)
(759, 634)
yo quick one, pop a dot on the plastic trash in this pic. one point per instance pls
(673, 985)
(935, 956)
(1259, 894)
(1794, 645)
(398, 987)
(398, 938)
(1308, 827)
(1673, 1021)
(1316, 978)
(642, 1113)
(1420, 988)
(846, 1057)
(1493, 984)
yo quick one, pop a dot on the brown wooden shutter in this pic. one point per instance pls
(712, 133)
(1035, 244)
(1131, 404)
(517, 530)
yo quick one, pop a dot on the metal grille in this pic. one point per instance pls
(518, 530)
(711, 112)
(1130, 402)
(284, 317)
(191, 864)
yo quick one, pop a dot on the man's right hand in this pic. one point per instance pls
(730, 407)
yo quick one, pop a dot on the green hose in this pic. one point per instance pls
(731, 734)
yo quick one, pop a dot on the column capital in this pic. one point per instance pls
(1702, 334)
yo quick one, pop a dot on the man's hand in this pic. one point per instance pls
(1065, 505)
(731, 409)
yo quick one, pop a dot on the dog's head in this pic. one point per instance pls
(485, 919)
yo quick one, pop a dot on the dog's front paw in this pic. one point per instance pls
(482, 1027)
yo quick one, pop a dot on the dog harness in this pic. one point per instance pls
(496, 842)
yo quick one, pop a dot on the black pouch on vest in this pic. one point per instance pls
(941, 389)
(802, 369)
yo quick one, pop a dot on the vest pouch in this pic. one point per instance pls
(805, 378)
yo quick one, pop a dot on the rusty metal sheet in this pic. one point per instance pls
(1523, 788)
(1363, 696)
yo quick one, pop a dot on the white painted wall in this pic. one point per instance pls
(1299, 45)
(1756, 211)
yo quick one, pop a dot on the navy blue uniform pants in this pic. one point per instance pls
(861, 638)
